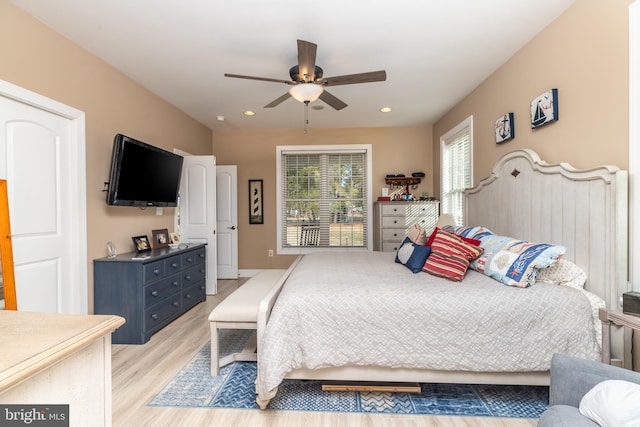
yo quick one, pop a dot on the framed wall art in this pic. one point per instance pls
(141, 243)
(544, 108)
(255, 202)
(160, 238)
(504, 128)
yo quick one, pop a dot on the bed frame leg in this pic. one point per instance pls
(262, 403)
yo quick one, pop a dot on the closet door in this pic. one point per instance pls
(197, 210)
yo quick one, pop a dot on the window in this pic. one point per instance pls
(323, 194)
(456, 158)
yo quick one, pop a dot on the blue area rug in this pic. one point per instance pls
(234, 387)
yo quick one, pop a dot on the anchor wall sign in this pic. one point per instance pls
(504, 128)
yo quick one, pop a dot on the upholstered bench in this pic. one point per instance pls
(240, 311)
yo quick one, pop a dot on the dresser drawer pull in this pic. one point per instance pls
(395, 222)
(189, 260)
(154, 316)
(202, 287)
(395, 210)
(175, 303)
(154, 293)
(156, 271)
(395, 234)
(174, 264)
(188, 296)
(202, 270)
(175, 283)
(201, 255)
(188, 278)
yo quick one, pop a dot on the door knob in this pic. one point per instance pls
(233, 227)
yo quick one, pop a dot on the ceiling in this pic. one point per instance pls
(434, 52)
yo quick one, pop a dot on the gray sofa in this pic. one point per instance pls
(571, 379)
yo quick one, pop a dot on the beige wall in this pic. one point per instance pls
(38, 59)
(395, 150)
(584, 54)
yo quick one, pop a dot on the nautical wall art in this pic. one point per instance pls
(544, 108)
(504, 128)
(255, 202)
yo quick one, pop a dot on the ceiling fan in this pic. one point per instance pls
(307, 81)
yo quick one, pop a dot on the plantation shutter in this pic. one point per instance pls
(455, 173)
(324, 199)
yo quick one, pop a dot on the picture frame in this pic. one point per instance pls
(175, 238)
(141, 244)
(544, 108)
(256, 215)
(160, 238)
(504, 128)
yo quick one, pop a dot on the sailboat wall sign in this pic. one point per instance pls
(544, 108)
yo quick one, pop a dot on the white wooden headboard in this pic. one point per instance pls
(584, 210)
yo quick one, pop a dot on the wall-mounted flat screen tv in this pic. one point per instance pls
(143, 175)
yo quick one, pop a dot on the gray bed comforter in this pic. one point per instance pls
(361, 308)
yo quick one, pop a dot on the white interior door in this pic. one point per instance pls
(227, 218)
(42, 158)
(198, 210)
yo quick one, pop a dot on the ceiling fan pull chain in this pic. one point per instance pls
(306, 115)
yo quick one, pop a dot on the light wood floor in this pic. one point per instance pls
(141, 371)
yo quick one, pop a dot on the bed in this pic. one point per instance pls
(360, 316)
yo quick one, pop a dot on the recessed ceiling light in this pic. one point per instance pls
(249, 113)
(220, 118)
(385, 109)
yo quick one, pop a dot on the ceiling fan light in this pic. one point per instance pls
(303, 92)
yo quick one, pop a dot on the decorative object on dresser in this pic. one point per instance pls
(392, 219)
(160, 238)
(149, 293)
(141, 244)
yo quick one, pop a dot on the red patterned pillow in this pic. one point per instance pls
(474, 242)
(450, 244)
(449, 267)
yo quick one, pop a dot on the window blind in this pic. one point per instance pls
(455, 172)
(324, 199)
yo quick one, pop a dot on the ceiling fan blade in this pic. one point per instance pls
(278, 101)
(332, 100)
(307, 60)
(264, 79)
(372, 76)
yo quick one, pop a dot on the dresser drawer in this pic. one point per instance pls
(173, 265)
(390, 246)
(393, 234)
(193, 275)
(153, 271)
(395, 210)
(193, 258)
(161, 289)
(157, 315)
(396, 222)
(193, 295)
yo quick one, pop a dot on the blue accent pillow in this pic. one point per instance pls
(412, 256)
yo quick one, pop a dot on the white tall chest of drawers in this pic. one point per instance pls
(393, 218)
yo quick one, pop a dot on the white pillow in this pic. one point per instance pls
(563, 272)
(613, 403)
